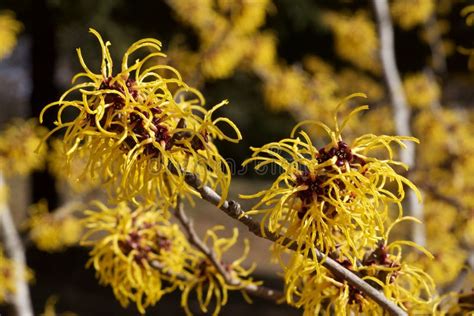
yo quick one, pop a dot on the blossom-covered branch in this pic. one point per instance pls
(233, 209)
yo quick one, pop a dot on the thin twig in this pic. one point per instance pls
(433, 37)
(233, 209)
(435, 193)
(255, 290)
(400, 108)
(194, 239)
(457, 284)
(15, 251)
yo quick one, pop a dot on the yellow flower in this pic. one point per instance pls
(17, 147)
(9, 29)
(317, 290)
(336, 197)
(209, 285)
(355, 39)
(52, 232)
(220, 59)
(126, 243)
(315, 64)
(245, 16)
(279, 89)
(262, 54)
(420, 90)
(410, 13)
(142, 128)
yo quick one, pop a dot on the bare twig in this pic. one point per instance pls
(457, 284)
(433, 37)
(434, 192)
(187, 223)
(15, 251)
(233, 209)
(399, 103)
(194, 239)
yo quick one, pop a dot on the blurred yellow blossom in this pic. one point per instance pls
(280, 82)
(227, 31)
(52, 232)
(263, 54)
(18, 142)
(409, 13)
(9, 29)
(220, 61)
(355, 39)
(420, 90)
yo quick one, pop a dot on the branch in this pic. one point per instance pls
(15, 251)
(433, 36)
(457, 284)
(433, 191)
(233, 209)
(400, 108)
(187, 223)
(194, 239)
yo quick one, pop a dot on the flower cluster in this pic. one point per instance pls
(444, 178)
(52, 232)
(142, 256)
(342, 199)
(410, 13)
(355, 39)
(336, 197)
(141, 129)
(420, 90)
(125, 245)
(226, 30)
(9, 29)
(20, 157)
(317, 290)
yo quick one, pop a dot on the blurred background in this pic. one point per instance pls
(277, 62)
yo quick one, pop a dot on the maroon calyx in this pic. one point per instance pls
(133, 242)
(314, 192)
(343, 153)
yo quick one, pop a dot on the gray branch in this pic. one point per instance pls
(400, 108)
(255, 290)
(233, 209)
(15, 251)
